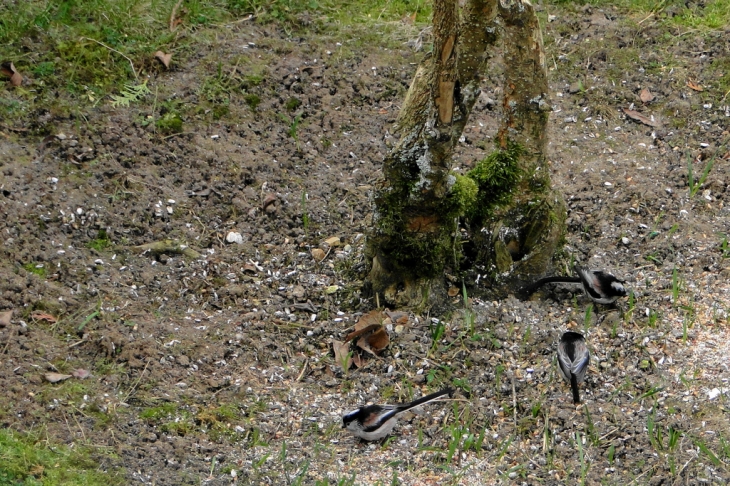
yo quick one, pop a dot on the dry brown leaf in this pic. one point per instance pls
(379, 340)
(342, 350)
(56, 377)
(692, 85)
(374, 343)
(372, 317)
(8, 69)
(360, 332)
(453, 291)
(635, 115)
(358, 360)
(163, 58)
(42, 316)
(397, 316)
(645, 95)
(318, 254)
(363, 344)
(268, 200)
(5, 317)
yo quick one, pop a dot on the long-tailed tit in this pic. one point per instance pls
(601, 287)
(573, 360)
(374, 422)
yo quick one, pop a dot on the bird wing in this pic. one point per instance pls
(376, 418)
(582, 360)
(564, 362)
(590, 282)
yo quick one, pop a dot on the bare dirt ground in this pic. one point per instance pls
(213, 364)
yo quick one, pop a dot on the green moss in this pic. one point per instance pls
(101, 242)
(36, 269)
(292, 104)
(252, 100)
(32, 459)
(464, 194)
(170, 123)
(497, 175)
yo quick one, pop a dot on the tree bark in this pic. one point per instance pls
(525, 234)
(417, 208)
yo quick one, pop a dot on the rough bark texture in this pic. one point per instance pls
(417, 215)
(526, 234)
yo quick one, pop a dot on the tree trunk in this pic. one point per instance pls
(420, 202)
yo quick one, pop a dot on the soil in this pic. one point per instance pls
(212, 362)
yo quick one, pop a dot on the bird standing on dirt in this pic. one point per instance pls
(573, 360)
(600, 286)
(374, 422)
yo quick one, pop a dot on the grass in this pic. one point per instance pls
(36, 269)
(30, 460)
(695, 185)
(75, 55)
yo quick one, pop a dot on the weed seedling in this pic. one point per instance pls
(675, 286)
(694, 186)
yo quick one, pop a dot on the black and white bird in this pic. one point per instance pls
(573, 360)
(373, 422)
(600, 286)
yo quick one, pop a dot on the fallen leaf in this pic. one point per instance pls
(635, 115)
(342, 354)
(269, 200)
(331, 289)
(163, 58)
(8, 69)
(318, 254)
(358, 361)
(398, 317)
(453, 291)
(42, 316)
(375, 342)
(694, 86)
(56, 377)
(379, 340)
(645, 96)
(81, 373)
(359, 332)
(372, 317)
(5, 317)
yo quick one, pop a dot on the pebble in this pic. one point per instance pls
(234, 237)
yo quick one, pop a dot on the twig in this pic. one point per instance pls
(301, 373)
(173, 14)
(114, 50)
(679, 474)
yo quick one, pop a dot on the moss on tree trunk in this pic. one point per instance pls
(420, 202)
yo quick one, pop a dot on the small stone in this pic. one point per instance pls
(625, 240)
(234, 237)
(333, 241)
(318, 254)
(298, 292)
